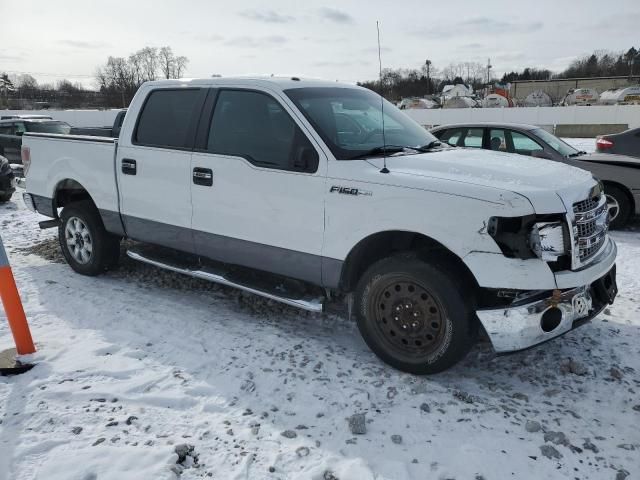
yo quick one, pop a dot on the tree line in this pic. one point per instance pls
(117, 81)
(395, 84)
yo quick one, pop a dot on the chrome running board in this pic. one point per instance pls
(312, 304)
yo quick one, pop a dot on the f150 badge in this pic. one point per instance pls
(349, 191)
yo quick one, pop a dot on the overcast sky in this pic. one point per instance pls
(53, 40)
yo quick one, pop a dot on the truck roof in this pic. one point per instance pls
(280, 82)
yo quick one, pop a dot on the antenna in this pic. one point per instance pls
(384, 140)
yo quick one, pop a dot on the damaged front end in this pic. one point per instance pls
(516, 320)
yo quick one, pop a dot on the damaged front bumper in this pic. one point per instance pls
(533, 320)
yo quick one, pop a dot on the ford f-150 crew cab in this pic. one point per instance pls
(306, 192)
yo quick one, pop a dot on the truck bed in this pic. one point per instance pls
(88, 160)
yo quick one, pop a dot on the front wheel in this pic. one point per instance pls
(413, 315)
(619, 206)
(88, 248)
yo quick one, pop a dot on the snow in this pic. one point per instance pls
(136, 362)
(582, 144)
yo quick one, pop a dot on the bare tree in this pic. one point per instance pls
(167, 61)
(180, 66)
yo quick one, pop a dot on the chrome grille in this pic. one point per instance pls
(590, 228)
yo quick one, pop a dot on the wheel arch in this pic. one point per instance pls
(67, 191)
(624, 190)
(383, 244)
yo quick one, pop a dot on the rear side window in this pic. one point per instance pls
(166, 117)
(255, 126)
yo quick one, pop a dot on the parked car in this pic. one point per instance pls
(7, 180)
(11, 132)
(620, 174)
(25, 117)
(623, 143)
(250, 183)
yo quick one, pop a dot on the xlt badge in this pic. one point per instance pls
(349, 191)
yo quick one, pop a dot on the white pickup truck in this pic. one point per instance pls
(307, 192)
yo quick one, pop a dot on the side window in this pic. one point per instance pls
(451, 136)
(498, 140)
(5, 129)
(166, 117)
(255, 126)
(473, 138)
(523, 144)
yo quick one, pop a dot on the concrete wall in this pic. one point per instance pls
(612, 117)
(557, 89)
(75, 118)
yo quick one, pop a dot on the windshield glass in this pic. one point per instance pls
(349, 120)
(554, 142)
(48, 127)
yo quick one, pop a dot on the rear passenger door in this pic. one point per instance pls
(153, 166)
(258, 186)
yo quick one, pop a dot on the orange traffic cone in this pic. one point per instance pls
(16, 317)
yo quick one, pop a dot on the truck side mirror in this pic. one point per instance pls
(306, 159)
(541, 154)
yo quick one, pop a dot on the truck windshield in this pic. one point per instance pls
(349, 120)
(554, 142)
(48, 127)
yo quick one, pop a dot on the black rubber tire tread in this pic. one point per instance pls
(452, 295)
(625, 206)
(106, 247)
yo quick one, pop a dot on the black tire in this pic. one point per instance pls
(624, 206)
(436, 327)
(83, 218)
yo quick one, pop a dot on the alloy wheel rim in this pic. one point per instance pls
(79, 241)
(613, 206)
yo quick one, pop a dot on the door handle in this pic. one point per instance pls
(129, 166)
(203, 176)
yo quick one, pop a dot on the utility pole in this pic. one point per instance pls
(489, 67)
(428, 65)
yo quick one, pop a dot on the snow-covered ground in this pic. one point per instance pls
(583, 144)
(140, 363)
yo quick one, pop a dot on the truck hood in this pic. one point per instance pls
(544, 182)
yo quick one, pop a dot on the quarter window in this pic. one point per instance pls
(256, 127)
(166, 118)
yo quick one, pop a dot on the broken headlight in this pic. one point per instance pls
(531, 236)
(547, 240)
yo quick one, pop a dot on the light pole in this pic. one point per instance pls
(428, 65)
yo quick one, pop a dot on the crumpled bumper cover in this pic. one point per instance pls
(528, 324)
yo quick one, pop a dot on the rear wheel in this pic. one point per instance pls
(413, 316)
(86, 245)
(619, 206)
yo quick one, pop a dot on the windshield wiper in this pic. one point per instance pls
(428, 146)
(382, 150)
(577, 154)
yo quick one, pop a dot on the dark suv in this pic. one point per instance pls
(11, 132)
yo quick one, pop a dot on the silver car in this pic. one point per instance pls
(620, 174)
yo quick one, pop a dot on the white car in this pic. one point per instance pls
(266, 185)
